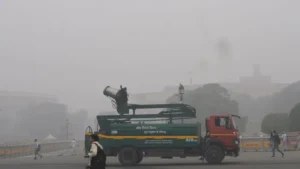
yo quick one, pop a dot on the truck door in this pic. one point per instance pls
(222, 132)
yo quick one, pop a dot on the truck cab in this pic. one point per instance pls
(222, 131)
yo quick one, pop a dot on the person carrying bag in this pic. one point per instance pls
(96, 154)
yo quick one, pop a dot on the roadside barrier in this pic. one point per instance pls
(11, 151)
(246, 144)
(263, 144)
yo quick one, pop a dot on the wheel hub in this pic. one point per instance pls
(213, 155)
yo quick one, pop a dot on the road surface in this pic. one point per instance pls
(247, 160)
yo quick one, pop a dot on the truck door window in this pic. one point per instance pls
(222, 121)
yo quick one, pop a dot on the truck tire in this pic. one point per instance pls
(140, 156)
(214, 154)
(128, 156)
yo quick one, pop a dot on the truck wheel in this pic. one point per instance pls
(140, 156)
(214, 154)
(128, 156)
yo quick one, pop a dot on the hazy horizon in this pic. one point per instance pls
(73, 49)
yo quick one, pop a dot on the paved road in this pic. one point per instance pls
(259, 160)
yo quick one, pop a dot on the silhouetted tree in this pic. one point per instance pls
(294, 118)
(275, 121)
(287, 98)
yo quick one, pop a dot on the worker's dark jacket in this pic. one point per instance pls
(276, 140)
(99, 161)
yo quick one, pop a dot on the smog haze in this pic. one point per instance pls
(72, 49)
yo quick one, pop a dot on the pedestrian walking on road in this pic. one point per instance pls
(74, 144)
(98, 157)
(284, 141)
(37, 150)
(276, 141)
(298, 140)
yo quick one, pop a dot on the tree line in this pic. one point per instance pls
(279, 111)
(285, 111)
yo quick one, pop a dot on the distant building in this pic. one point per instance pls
(256, 85)
(10, 102)
(13, 102)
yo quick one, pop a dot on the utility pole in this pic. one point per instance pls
(191, 78)
(67, 127)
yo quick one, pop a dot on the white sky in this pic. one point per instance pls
(74, 48)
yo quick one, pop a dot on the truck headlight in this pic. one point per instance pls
(236, 141)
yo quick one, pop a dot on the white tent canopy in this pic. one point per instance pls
(50, 137)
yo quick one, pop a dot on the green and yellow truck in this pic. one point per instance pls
(131, 136)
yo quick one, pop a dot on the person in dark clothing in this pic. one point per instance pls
(276, 143)
(271, 140)
(97, 155)
(37, 149)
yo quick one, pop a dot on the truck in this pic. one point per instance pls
(131, 137)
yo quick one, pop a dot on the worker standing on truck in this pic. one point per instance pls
(97, 155)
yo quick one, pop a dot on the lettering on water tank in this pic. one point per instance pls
(158, 142)
(191, 140)
(155, 132)
(114, 132)
(145, 128)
